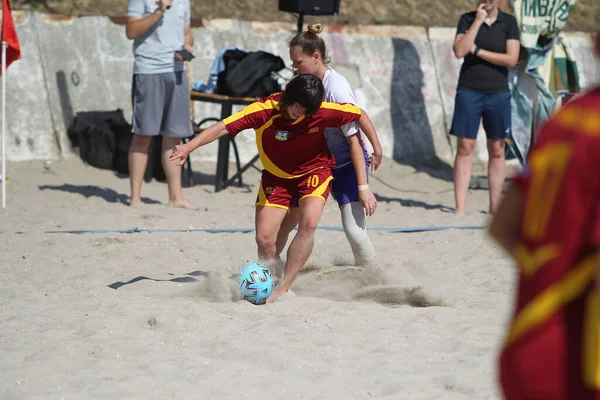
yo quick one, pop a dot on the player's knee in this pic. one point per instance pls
(356, 236)
(308, 225)
(311, 209)
(265, 242)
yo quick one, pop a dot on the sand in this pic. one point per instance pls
(150, 314)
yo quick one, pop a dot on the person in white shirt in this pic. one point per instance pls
(308, 54)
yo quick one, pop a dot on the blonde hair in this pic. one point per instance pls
(315, 29)
(310, 42)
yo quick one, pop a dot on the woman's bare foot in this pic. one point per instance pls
(277, 293)
(182, 204)
(137, 204)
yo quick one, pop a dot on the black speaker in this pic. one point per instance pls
(310, 7)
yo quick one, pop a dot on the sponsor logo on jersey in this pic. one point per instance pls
(281, 135)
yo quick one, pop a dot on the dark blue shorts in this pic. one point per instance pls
(471, 108)
(345, 185)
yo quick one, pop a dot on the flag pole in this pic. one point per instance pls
(4, 46)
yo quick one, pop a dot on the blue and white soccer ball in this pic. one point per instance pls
(256, 283)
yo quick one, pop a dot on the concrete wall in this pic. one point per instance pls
(405, 77)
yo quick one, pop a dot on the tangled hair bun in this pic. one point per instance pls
(310, 42)
(315, 29)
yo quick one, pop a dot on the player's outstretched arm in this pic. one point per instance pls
(365, 196)
(366, 125)
(505, 224)
(208, 135)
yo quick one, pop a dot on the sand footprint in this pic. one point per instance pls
(351, 283)
(397, 295)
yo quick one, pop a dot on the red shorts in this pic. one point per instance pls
(285, 193)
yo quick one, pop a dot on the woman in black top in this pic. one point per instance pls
(488, 39)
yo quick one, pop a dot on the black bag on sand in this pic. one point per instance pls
(249, 74)
(103, 138)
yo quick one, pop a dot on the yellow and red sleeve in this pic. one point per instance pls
(337, 115)
(251, 117)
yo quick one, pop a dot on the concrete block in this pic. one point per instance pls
(30, 134)
(88, 64)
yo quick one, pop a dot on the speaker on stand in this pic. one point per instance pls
(309, 7)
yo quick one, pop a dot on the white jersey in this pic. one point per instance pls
(338, 90)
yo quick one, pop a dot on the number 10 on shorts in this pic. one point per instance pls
(313, 181)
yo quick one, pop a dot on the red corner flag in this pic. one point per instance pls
(9, 35)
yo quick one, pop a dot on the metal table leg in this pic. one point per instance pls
(223, 153)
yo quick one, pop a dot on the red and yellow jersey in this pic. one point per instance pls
(290, 149)
(556, 313)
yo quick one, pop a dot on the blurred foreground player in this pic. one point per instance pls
(549, 221)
